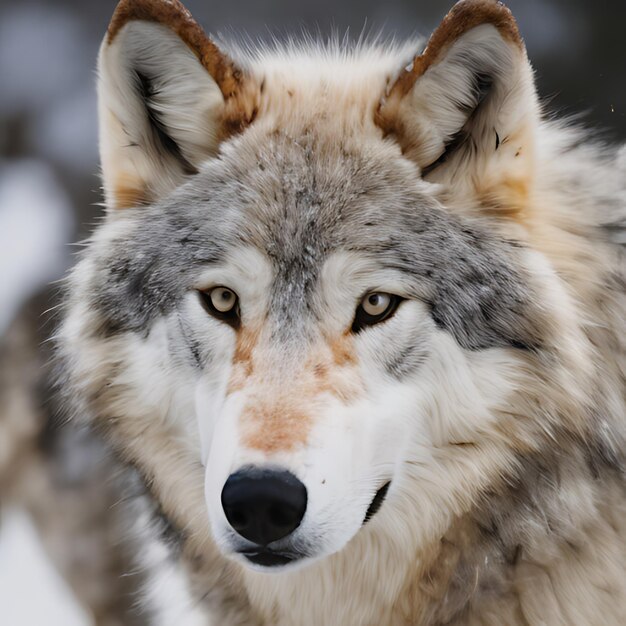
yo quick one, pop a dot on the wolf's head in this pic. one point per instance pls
(313, 296)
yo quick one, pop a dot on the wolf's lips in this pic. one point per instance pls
(376, 503)
(269, 558)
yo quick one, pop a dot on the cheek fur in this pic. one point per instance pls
(398, 347)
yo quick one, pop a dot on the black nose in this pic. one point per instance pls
(264, 505)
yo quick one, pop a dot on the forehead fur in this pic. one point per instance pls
(324, 81)
(299, 195)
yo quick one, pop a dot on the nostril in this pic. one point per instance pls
(264, 505)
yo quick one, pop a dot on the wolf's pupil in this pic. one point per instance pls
(376, 303)
(223, 299)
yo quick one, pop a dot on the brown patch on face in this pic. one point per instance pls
(275, 424)
(243, 363)
(238, 379)
(343, 350)
(239, 90)
(247, 339)
(335, 373)
(463, 16)
(320, 370)
(281, 408)
(280, 418)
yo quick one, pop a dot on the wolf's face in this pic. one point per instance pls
(298, 307)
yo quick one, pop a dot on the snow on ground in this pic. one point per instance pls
(31, 592)
(35, 226)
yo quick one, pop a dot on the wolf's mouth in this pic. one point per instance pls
(270, 558)
(267, 557)
(377, 502)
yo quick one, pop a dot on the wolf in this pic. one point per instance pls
(355, 315)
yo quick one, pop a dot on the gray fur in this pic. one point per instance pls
(519, 521)
(298, 200)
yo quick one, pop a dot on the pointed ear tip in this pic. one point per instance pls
(464, 16)
(173, 15)
(170, 13)
(467, 14)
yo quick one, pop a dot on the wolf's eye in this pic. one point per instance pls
(222, 303)
(223, 299)
(374, 308)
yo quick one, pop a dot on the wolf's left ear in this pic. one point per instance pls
(167, 96)
(465, 109)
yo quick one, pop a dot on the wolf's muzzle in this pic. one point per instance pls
(263, 505)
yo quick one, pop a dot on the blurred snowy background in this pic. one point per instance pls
(49, 189)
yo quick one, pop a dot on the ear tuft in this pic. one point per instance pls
(467, 104)
(167, 98)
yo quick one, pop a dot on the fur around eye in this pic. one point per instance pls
(375, 307)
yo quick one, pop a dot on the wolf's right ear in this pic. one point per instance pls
(166, 96)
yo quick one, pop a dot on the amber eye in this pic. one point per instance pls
(223, 299)
(375, 307)
(222, 303)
